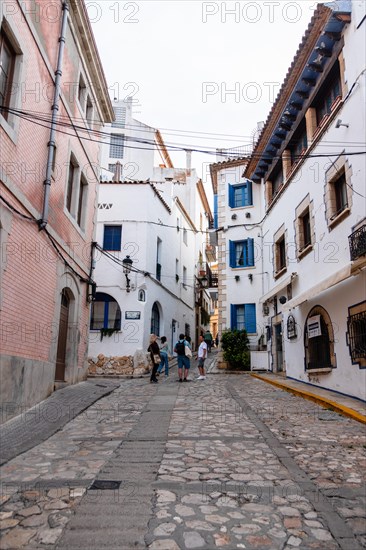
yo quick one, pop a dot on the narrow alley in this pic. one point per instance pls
(226, 462)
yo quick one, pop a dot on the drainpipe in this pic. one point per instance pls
(55, 107)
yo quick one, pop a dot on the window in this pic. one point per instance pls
(277, 183)
(330, 91)
(356, 334)
(177, 270)
(185, 236)
(120, 114)
(7, 65)
(298, 143)
(83, 189)
(112, 237)
(241, 253)
(81, 92)
(155, 320)
(142, 296)
(70, 185)
(184, 277)
(304, 227)
(243, 317)
(240, 195)
(89, 111)
(340, 194)
(105, 313)
(216, 211)
(116, 146)
(158, 259)
(338, 191)
(280, 256)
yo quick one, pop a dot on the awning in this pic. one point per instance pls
(323, 285)
(276, 289)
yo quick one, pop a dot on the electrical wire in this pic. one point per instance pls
(172, 147)
(52, 240)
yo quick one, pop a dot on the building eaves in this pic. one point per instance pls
(203, 197)
(87, 40)
(312, 34)
(185, 214)
(217, 166)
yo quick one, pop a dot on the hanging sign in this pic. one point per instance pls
(314, 327)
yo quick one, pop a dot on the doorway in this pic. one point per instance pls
(62, 337)
(278, 347)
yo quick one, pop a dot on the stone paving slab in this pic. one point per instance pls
(231, 463)
(40, 422)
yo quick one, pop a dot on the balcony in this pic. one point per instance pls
(210, 251)
(357, 243)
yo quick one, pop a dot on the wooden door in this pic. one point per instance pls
(62, 338)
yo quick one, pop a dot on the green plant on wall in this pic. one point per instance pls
(235, 345)
(107, 332)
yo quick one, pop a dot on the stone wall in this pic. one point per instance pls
(134, 366)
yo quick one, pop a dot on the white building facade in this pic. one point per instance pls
(308, 168)
(160, 224)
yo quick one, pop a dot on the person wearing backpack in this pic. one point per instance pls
(184, 362)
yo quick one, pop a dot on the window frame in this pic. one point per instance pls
(240, 194)
(110, 227)
(5, 43)
(354, 311)
(340, 169)
(248, 253)
(248, 315)
(119, 147)
(117, 321)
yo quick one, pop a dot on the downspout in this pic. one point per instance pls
(55, 107)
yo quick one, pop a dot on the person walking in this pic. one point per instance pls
(208, 339)
(201, 355)
(155, 357)
(164, 354)
(184, 362)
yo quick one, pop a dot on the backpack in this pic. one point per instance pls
(179, 348)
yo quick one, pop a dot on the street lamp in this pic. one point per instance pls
(203, 281)
(127, 265)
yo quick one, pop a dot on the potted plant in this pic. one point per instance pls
(235, 345)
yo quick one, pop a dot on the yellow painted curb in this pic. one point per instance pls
(342, 409)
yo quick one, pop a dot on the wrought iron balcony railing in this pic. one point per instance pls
(357, 243)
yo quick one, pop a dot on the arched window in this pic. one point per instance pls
(319, 340)
(105, 313)
(155, 320)
(142, 296)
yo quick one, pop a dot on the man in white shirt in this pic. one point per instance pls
(202, 354)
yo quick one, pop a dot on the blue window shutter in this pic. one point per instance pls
(231, 196)
(249, 193)
(112, 237)
(232, 258)
(250, 258)
(232, 316)
(250, 318)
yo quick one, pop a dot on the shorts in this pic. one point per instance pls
(183, 362)
(201, 361)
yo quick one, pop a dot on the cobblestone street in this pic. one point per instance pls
(226, 462)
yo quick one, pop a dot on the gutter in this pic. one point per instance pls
(55, 107)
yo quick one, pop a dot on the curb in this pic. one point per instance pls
(322, 401)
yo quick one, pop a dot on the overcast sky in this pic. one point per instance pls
(180, 60)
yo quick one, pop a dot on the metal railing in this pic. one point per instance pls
(357, 243)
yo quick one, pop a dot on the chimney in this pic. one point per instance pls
(188, 162)
(117, 172)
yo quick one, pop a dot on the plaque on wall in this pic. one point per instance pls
(133, 315)
(291, 327)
